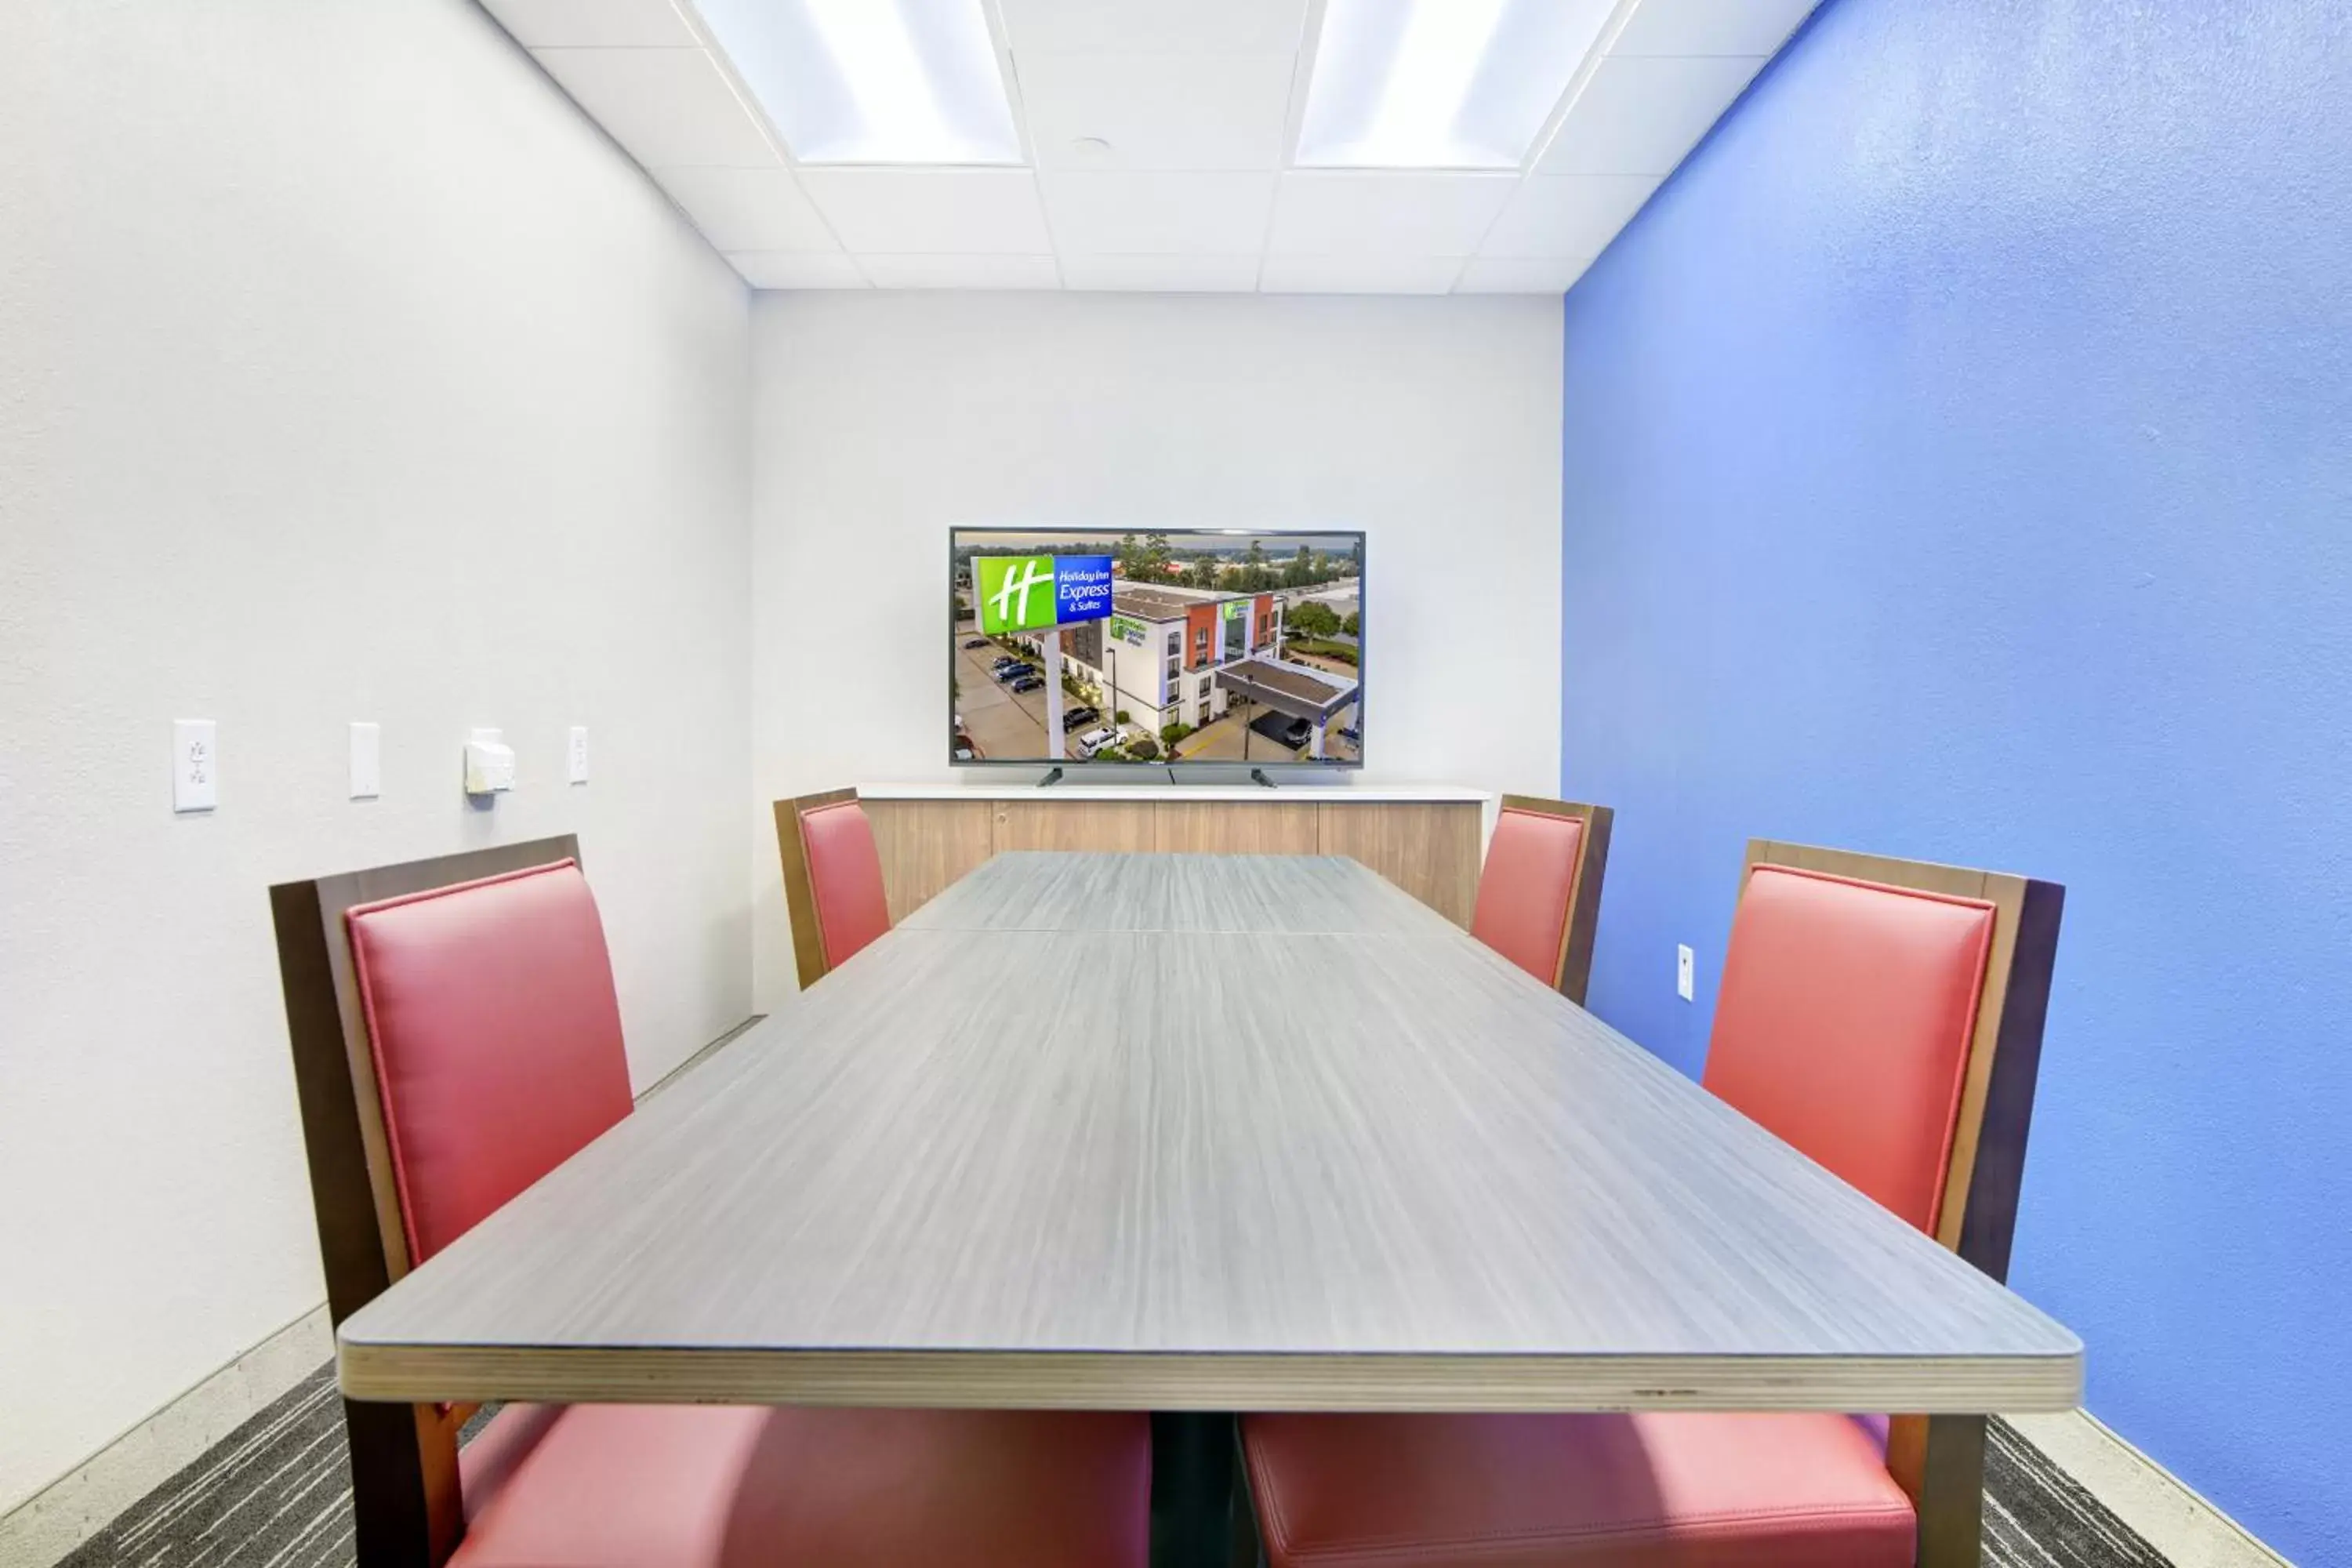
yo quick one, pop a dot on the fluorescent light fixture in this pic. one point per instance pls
(871, 81)
(1441, 84)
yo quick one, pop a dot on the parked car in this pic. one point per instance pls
(1352, 735)
(1093, 740)
(977, 642)
(1075, 718)
(1017, 670)
(1029, 683)
(1296, 733)
(1004, 662)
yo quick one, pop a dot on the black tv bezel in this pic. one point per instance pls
(1141, 771)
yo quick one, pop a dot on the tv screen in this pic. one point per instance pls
(1190, 647)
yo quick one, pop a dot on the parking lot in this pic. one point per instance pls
(1006, 725)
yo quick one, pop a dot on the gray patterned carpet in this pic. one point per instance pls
(275, 1494)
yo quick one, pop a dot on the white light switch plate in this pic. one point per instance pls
(367, 761)
(1683, 973)
(576, 754)
(195, 765)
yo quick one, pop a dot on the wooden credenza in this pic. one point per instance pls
(1427, 840)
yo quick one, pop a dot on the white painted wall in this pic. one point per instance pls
(345, 373)
(882, 420)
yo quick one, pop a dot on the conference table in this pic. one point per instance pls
(1198, 1134)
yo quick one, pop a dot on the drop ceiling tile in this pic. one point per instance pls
(1359, 274)
(670, 107)
(1110, 26)
(947, 212)
(961, 271)
(1568, 215)
(596, 24)
(1710, 27)
(747, 209)
(1411, 214)
(1163, 274)
(1157, 214)
(1158, 111)
(1521, 274)
(1640, 114)
(798, 270)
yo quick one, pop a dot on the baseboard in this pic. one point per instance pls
(697, 1059)
(41, 1530)
(2161, 1509)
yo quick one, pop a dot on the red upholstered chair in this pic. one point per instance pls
(456, 1036)
(1540, 890)
(832, 879)
(1886, 1017)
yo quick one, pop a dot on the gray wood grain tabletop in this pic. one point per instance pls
(1179, 1165)
(1290, 895)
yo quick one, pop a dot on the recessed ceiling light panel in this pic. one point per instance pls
(873, 81)
(1441, 84)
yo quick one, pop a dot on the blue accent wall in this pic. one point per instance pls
(1959, 465)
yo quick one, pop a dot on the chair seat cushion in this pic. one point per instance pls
(1514, 1491)
(656, 1486)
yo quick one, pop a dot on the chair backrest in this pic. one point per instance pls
(495, 1036)
(832, 879)
(1885, 1016)
(455, 1037)
(1539, 890)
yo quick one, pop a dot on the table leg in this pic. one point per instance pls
(1942, 1467)
(1194, 1498)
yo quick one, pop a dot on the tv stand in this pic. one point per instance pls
(1053, 776)
(1258, 775)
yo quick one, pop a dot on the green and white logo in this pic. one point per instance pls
(1016, 593)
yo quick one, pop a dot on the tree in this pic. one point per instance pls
(1127, 555)
(1313, 619)
(1353, 626)
(1301, 570)
(1152, 562)
(1143, 748)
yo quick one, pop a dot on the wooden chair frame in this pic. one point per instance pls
(1572, 971)
(407, 1510)
(800, 887)
(1939, 1459)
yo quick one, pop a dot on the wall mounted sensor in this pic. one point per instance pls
(490, 766)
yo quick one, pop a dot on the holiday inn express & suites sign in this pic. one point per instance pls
(1037, 592)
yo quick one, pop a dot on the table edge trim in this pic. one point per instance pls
(1212, 1381)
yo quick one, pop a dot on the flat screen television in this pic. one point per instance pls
(1191, 649)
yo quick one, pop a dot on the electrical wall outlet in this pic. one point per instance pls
(195, 765)
(575, 754)
(367, 761)
(1683, 973)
